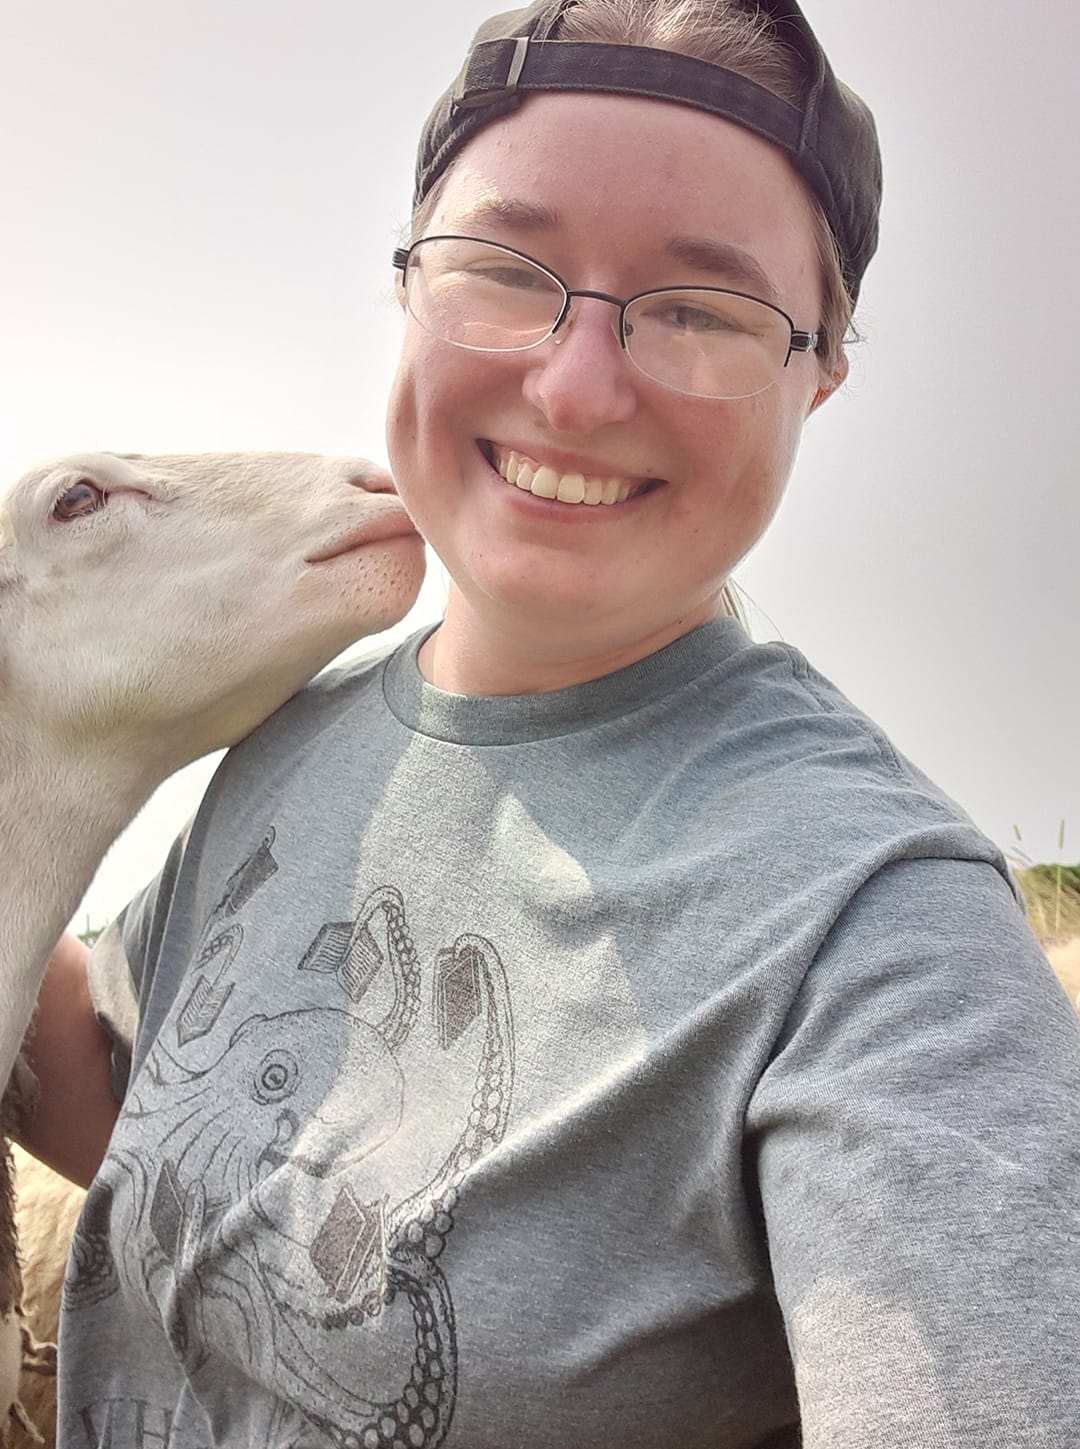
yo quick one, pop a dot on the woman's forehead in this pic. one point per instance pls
(640, 173)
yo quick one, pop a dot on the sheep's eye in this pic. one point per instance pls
(78, 501)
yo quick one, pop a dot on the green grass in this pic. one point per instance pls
(1051, 893)
(1052, 897)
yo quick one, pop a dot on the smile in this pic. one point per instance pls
(544, 482)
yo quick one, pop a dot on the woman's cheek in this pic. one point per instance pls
(402, 429)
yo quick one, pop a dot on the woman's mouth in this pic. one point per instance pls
(544, 481)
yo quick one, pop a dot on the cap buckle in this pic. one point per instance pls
(482, 92)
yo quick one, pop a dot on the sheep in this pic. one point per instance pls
(153, 609)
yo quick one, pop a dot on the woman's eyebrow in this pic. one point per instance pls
(505, 211)
(730, 262)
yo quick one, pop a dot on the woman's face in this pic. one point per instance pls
(618, 195)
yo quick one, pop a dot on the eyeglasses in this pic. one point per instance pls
(703, 341)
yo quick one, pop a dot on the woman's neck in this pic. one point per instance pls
(472, 654)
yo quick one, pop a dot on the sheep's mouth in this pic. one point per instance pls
(384, 525)
(543, 481)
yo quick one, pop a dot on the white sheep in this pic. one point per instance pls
(153, 609)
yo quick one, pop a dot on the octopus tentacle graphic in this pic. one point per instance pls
(425, 1219)
(349, 951)
(290, 1227)
(420, 1414)
(219, 942)
(404, 964)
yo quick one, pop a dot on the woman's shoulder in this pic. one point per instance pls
(809, 775)
(351, 674)
(353, 683)
(803, 716)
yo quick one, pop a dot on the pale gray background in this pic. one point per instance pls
(198, 206)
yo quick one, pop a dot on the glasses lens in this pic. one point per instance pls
(707, 343)
(480, 296)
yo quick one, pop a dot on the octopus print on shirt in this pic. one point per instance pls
(281, 1187)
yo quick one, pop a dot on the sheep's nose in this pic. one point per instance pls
(372, 479)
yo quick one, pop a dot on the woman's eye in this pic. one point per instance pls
(697, 319)
(520, 278)
(79, 501)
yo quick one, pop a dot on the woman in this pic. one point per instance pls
(581, 1027)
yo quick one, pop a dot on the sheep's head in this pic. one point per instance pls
(190, 595)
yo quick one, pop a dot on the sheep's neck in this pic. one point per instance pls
(59, 813)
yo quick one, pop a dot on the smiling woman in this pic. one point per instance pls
(580, 1025)
(699, 477)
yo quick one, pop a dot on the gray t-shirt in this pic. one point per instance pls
(659, 1062)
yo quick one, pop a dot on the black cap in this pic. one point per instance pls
(830, 135)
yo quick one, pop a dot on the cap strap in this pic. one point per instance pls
(499, 69)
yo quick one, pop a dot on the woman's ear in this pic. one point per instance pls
(829, 385)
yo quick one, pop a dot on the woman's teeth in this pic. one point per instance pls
(544, 482)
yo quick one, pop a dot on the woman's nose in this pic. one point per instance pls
(581, 379)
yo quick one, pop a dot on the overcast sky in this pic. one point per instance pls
(199, 204)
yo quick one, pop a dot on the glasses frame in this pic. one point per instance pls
(800, 340)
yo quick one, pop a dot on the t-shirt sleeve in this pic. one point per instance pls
(123, 960)
(916, 1137)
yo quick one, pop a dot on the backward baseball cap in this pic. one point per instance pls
(830, 136)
